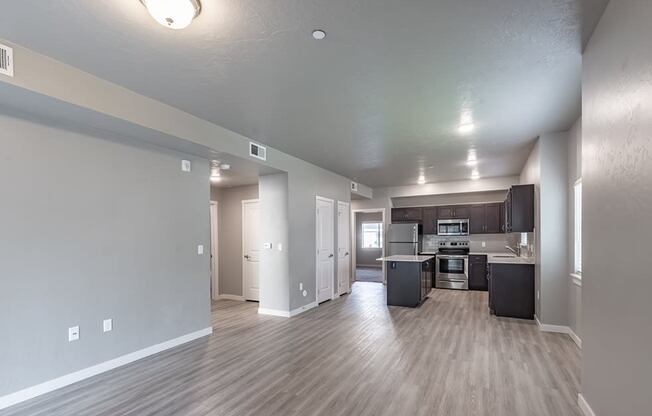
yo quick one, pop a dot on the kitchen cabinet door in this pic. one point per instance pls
(430, 220)
(445, 213)
(478, 272)
(406, 214)
(477, 219)
(512, 290)
(492, 219)
(461, 212)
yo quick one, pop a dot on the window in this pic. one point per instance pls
(578, 227)
(372, 235)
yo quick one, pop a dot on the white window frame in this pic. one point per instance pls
(577, 231)
(380, 235)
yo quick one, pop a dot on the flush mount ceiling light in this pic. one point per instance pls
(318, 34)
(466, 125)
(216, 174)
(173, 14)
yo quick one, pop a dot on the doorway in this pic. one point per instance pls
(369, 241)
(325, 241)
(251, 247)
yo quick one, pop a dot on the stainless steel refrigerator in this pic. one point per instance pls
(404, 239)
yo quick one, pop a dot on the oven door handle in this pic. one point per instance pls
(451, 256)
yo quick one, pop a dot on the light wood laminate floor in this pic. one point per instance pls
(351, 356)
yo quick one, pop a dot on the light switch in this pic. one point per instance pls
(300, 286)
(267, 245)
(73, 333)
(279, 246)
(484, 244)
(107, 325)
(186, 166)
(200, 249)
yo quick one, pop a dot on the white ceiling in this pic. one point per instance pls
(378, 100)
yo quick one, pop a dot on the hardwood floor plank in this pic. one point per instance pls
(350, 356)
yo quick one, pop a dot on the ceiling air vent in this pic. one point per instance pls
(257, 151)
(6, 60)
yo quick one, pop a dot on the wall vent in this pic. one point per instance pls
(6, 60)
(354, 186)
(257, 151)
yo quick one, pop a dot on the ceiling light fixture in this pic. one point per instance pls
(318, 34)
(173, 14)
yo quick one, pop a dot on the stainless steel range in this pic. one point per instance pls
(452, 265)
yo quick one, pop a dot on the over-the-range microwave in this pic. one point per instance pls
(453, 227)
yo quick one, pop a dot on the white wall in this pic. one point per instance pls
(617, 201)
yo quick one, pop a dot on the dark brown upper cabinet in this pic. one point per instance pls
(430, 220)
(519, 209)
(485, 219)
(407, 215)
(453, 212)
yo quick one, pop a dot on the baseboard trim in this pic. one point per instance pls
(560, 329)
(68, 379)
(304, 308)
(584, 406)
(226, 296)
(274, 312)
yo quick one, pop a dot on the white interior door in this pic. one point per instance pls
(325, 249)
(251, 247)
(343, 247)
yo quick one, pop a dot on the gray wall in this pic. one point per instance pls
(366, 256)
(95, 229)
(275, 263)
(547, 169)
(617, 201)
(574, 173)
(230, 235)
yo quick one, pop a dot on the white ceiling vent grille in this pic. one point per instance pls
(257, 151)
(6, 60)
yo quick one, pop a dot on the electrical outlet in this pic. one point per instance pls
(73, 333)
(107, 325)
(484, 244)
(200, 249)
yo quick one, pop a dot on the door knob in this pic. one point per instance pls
(346, 254)
(330, 255)
(246, 256)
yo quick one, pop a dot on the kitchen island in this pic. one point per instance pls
(409, 279)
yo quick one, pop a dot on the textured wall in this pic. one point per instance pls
(617, 201)
(94, 229)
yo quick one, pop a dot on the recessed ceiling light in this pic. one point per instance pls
(173, 14)
(318, 34)
(466, 128)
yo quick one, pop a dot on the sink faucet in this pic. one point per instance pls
(517, 252)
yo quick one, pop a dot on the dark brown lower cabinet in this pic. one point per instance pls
(478, 272)
(511, 290)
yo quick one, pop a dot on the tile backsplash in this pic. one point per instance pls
(493, 243)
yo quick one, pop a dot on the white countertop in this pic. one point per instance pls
(506, 258)
(407, 258)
